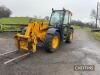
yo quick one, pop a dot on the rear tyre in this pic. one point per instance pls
(70, 38)
(52, 42)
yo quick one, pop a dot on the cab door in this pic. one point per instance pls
(66, 24)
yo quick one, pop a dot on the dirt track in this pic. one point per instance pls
(84, 50)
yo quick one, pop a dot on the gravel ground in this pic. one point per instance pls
(83, 51)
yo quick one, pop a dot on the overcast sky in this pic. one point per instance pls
(80, 8)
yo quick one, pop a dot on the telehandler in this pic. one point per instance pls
(51, 34)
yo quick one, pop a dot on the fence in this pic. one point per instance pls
(11, 27)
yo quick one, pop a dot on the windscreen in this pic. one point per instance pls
(56, 18)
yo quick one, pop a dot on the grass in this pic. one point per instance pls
(15, 20)
(96, 35)
(87, 29)
(75, 27)
(12, 23)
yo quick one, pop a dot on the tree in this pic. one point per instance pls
(5, 12)
(93, 14)
(46, 17)
(35, 16)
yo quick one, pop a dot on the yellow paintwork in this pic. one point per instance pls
(35, 33)
(65, 29)
(55, 42)
(71, 37)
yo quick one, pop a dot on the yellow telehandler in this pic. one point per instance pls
(51, 34)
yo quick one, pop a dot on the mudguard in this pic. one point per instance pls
(52, 31)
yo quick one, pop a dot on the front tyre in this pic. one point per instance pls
(52, 42)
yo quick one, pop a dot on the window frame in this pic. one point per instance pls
(69, 18)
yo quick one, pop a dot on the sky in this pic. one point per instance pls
(81, 9)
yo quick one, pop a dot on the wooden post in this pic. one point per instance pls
(97, 14)
(1, 27)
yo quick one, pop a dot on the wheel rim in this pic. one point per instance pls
(71, 37)
(55, 42)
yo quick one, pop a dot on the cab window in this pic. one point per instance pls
(66, 18)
